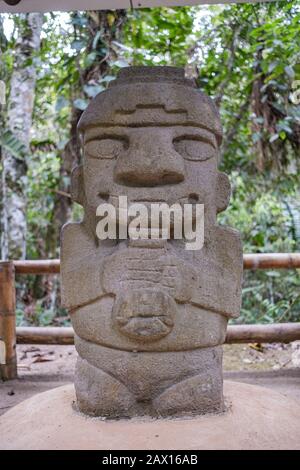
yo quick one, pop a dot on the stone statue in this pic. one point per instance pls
(150, 316)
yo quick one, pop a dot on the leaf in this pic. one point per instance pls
(272, 66)
(80, 104)
(289, 71)
(259, 120)
(273, 138)
(257, 346)
(92, 90)
(283, 126)
(108, 78)
(77, 45)
(90, 59)
(256, 136)
(110, 19)
(96, 39)
(282, 135)
(272, 274)
(12, 144)
(79, 20)
(61, 103)
(121, 63)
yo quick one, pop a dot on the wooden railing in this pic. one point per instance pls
(273, 333)
(253, 261)
(10, 335)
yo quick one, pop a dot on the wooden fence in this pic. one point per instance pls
(10, 334)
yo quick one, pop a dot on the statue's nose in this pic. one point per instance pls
(150, 161)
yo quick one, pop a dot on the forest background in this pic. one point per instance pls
(245, 56)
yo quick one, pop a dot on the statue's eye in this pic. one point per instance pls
(193, 149)
(105, 148)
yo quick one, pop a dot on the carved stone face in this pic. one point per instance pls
(153, 141)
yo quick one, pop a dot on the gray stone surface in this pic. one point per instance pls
(150, 317)
(256, 418)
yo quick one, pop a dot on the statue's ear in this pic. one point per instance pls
(77, 187)
(223, 192)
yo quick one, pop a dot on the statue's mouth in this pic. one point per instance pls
(146, 314)
(114, 199)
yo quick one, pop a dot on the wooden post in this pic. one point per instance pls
(8, 356)
(273, 333)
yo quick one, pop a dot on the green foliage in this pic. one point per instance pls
(10, 143)
(270, 296)
(259, 212)
(159, 36)
(249, 57)
(43, 176)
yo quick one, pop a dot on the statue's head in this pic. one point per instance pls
(153, 137)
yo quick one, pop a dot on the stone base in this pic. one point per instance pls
(257, 418)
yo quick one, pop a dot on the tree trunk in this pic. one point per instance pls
(20, 109)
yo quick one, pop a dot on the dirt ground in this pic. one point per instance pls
(40, 368)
